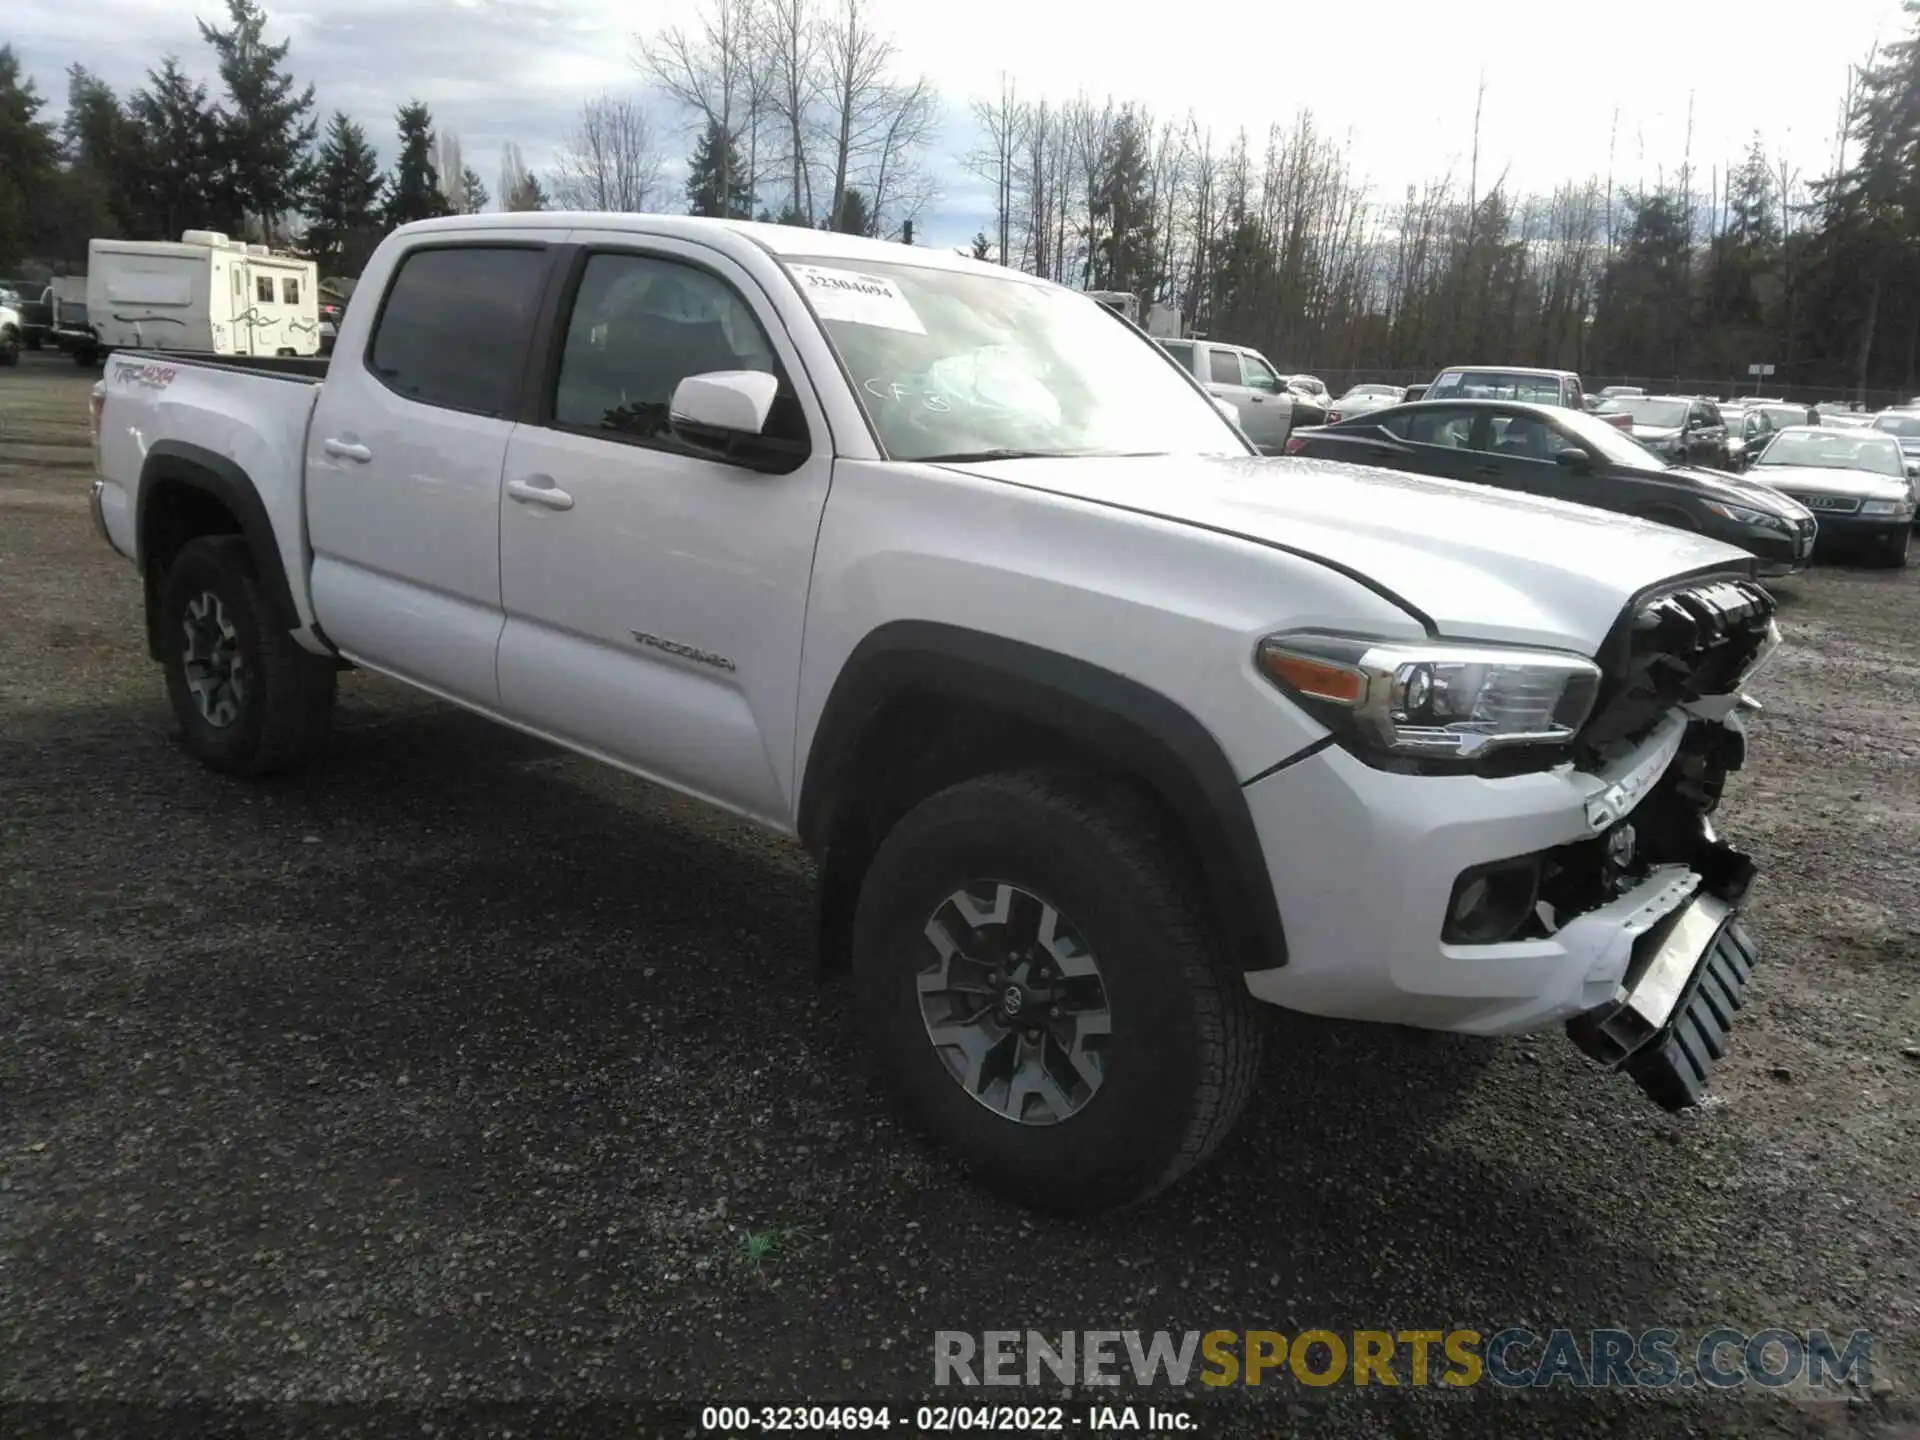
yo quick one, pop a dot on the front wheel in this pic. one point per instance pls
(1039, 988)
(9, 349)
(1892, 548)
(248, 700)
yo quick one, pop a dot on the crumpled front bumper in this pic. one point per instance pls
(1667, 1024)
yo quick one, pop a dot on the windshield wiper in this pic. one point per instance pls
(963, 457)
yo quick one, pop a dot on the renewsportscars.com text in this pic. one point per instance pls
(1514, 1358)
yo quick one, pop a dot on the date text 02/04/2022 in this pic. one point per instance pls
(942, 1419)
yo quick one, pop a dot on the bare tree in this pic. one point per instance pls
(452, 168)
(610, 161)
(1003, 124)
(857, 104)
(707, 71)
(901, 186)
(788, 43)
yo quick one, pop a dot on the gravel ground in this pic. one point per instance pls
(462, 1070)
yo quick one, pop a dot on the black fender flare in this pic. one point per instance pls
(1125, 724)
(176, 462)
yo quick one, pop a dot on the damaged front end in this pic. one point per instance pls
(1677, 663)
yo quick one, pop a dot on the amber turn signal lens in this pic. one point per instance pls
(1320, 679)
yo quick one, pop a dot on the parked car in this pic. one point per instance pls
(1856, 481)
(1904, 426)
(1533, 387)
(330, 312)
(13, 329)
(1244, 379)
(1360, 399)
(1677, 428)
(1567, 455)
(1748, 431)
(1615, 392)
(1414, 392)
(33, 299)
(1103, 730)
(1782, 413)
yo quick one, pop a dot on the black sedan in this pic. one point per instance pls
(1567, 455)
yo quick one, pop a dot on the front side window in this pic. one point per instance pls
(290, 291)
(642, 324)
(952, 363)
(263, 289)
(1258, 375)
(456, 326)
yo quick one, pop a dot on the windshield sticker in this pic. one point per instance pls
(893, 390)
(857, 299)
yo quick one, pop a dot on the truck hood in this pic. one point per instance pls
(1818, 480)
(1480, 564)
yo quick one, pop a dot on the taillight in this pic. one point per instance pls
(1333, 417)
(1296, 444)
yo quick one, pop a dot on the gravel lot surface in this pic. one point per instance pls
(458, 1069)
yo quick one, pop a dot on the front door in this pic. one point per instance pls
(655, 596)
(403, 464)
(1515, 450)
(1268, 413)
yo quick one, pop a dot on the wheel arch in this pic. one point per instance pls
(187, 491)
(920, 705)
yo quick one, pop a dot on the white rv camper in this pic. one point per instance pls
(206, 293)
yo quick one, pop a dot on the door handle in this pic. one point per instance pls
(540, 490)
(347, 450)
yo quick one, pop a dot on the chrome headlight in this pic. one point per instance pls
(1741, 515)
(1432, 699)
(1903, 508)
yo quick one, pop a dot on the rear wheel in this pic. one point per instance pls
(1040, 990)
(248, 700)
(10, 348)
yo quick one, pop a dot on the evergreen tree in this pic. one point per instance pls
(473, 190)
(27, 155)
(855, 218)
(265, 130)
(343, 206)
(1753, 218)
(176, 138)
(527, 194)
(1122, 208)
(413, 191)
(718, 152)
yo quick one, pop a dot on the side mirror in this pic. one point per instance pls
(1575, 458)
(723, 414)
(722, 403)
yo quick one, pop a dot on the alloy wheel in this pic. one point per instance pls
(1014, 1003)
(216, 670)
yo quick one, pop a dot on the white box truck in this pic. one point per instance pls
(206, 293)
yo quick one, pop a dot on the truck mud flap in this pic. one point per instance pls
(1669, 1021)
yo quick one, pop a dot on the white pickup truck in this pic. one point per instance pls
(1102, 728)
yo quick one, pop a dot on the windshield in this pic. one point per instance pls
(1496, 385)
(952, 363)
(1907, 427)
(1359, 390)
(1656, 414)
(1832, 449)
(1611, 444)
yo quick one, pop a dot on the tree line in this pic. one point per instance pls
(798, 115)
(797, 111)
(1277, 243)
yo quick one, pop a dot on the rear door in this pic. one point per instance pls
(1437, 442)
(404, 457)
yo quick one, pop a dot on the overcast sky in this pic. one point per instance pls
(1396, 79)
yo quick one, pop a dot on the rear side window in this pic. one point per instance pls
(290, 291)
(456, 326)
(1181, 350)
(1224, 367)
(263, 289)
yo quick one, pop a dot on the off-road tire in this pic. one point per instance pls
(1185, 1043)
(288, 701)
